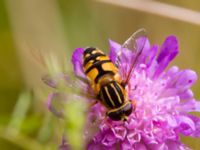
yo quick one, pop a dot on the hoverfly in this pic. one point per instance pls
(108, 84)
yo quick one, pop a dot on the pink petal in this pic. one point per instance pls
(77, 60)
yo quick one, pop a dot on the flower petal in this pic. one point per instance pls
(95, 146)
(187, 94)
(189, 106)
(55, 104)
(47, 79)
(175, 145)
(159, 146)
(109, 139)
(196, 120)
(114, 49)
(143, 44)
(185, 79)
(119, 132)
(125, 145)
(140, 146)
(77, 60)
(168, 51)
(57, 80)
(151, 55)
(133, 137)
(186, 125)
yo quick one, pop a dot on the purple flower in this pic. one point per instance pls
(164, 101)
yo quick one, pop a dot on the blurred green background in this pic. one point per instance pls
(57, 27)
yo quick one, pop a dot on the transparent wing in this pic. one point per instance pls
(129, 54)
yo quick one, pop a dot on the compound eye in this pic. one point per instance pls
(114, 116)
(88, 50)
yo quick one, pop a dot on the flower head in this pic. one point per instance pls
(163, 96)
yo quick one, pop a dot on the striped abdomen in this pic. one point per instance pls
(96, 64)
(112, 95)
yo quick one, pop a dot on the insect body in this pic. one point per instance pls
(107, 84)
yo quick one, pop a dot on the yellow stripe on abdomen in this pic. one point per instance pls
(110, 99)
(118, 97)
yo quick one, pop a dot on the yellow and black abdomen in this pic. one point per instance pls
(107, 84)
(112, 95)
(96, 64)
